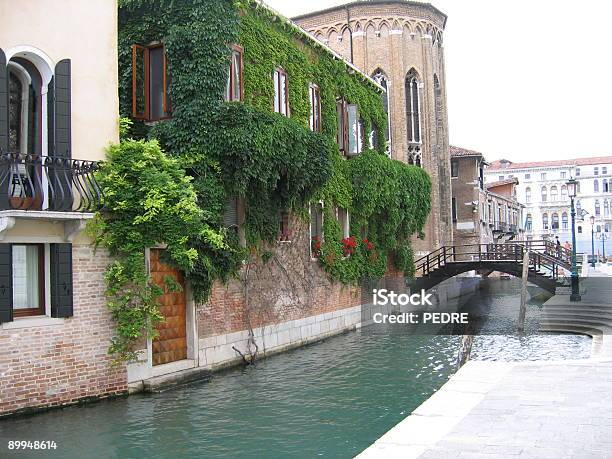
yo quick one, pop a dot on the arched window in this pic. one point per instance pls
(555, 221)
(545, 221)
(413, 107)
(598, 230)
(553, 193)
(564, 221)
(528, 223)
(606, 208)
(25, 88)
(605, 186)
(544, 194)
(564, 193)
(528, 194)
(597, 207)
(596, 186)
(381, 78)
(607, 227)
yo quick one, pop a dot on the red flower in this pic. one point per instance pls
(349, 245)
(369, 246)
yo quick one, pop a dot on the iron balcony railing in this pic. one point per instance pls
(36, 183)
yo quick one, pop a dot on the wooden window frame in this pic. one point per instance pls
(232, 97)
(41, 310)
(278, 90)
(316, 122)
(342, 118)
(166, 106)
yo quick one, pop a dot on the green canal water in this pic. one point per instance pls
(330, 399)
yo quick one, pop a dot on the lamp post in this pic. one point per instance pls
(571, 191)
(592, 241)
(603, 236)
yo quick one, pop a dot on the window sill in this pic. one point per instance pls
(31, 322)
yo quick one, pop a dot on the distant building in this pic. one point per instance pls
(543, 191)
(482, 214)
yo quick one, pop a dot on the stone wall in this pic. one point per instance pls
(48, 362)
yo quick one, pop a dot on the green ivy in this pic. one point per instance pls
(148, 201)
(215, 150)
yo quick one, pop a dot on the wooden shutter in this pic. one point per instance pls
(63, 144)
(60, 173)
(4, 131)
(61, 280)
(51, 118)
(6, 283)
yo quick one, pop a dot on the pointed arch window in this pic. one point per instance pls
(413, 115)
(564, 221)
(381, 78)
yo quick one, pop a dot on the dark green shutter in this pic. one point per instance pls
(51, 118)
(4, 132)
(6, 283)
(60, 172)
(61, 280)
(63, 144)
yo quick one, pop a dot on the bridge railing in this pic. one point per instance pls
(544, 256)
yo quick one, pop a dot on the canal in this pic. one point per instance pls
(330, 399)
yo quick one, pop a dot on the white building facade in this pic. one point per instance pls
(542, 190)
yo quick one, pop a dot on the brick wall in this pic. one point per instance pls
(289, 286)
(67, 361)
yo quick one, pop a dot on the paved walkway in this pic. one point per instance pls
(516, 409)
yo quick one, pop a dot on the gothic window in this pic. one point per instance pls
(381, 78)
(545, 221)
(564, 221)
(413, 115)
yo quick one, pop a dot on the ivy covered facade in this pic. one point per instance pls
(281, 147)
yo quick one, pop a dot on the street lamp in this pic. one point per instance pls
(603, 236)
(572, 186)
(592, 241)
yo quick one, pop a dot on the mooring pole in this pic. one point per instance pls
(523, 310)
(465, 349)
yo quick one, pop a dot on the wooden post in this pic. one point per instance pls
(523, 310)
(465, 349)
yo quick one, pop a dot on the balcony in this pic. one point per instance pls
(58, 189)
(52, 184)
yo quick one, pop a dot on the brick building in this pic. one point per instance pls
(58, 102)
(482, 213)
(400, 44)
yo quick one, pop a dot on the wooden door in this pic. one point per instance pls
(171, 344)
